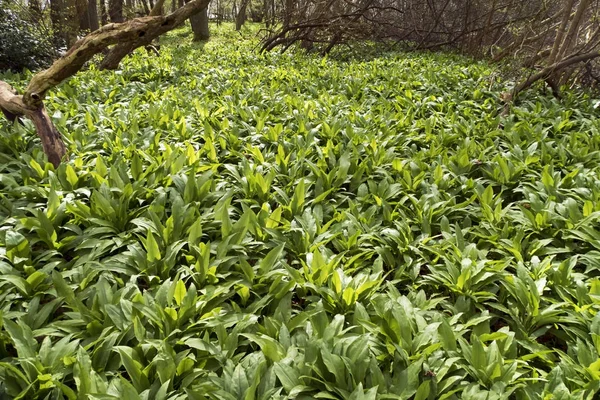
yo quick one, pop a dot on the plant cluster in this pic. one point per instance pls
(23, 43)
(281, 226)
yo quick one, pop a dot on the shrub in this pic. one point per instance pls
(22, 44)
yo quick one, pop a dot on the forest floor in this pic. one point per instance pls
(236, 225)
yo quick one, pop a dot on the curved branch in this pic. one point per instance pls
(552, 69)
(13, 107)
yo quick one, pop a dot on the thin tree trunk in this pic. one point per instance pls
(115, 10)
(560, 33)
(287, 13)
(103, 12)
(93, 15)
(57, 19)
(118, 52)
(72, 21)
(241, 16)
(570, 39)
(199, 24)
(146, 8)
(266, 13)
(157, 9)
(84, 16)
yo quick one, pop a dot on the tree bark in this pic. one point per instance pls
(115, 10)
(200, 27)
(287, 13)
(240, 19)
(57, 19)
(157, 9)
(13, 107)
(146, 8)
(266, 18)
(560, 33)
(570, 38)
(103, 12)
(93, 15)
(71, 15)
(84, 16)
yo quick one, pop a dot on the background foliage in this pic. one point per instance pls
(23, 43)
(242, 226)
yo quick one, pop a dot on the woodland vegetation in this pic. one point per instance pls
(276, 199)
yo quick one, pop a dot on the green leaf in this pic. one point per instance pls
(423, 391)
(152, 249)
(287, 375)
(298, 199)
(270, 260)
(134, 368)
(71, 176)
(180, 292)
(271, 348)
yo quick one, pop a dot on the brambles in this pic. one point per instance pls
(285, 226)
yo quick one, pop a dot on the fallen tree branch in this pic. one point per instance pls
(550, 70)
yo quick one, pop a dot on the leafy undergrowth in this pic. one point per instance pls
(240, 226)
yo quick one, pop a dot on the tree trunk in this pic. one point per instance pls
(115, 10)
(146, 8)
(570, 40)
(157, 9)
(199, 24)
(219, 12)
(84, 16)
(93, 15)
(551, 71)
(560, 33)
(72, 21)
(241, 16)
(103, 13)
(266, 13)
(287, 13)
(57, 19)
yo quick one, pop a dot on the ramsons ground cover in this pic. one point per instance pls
(233, 225)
